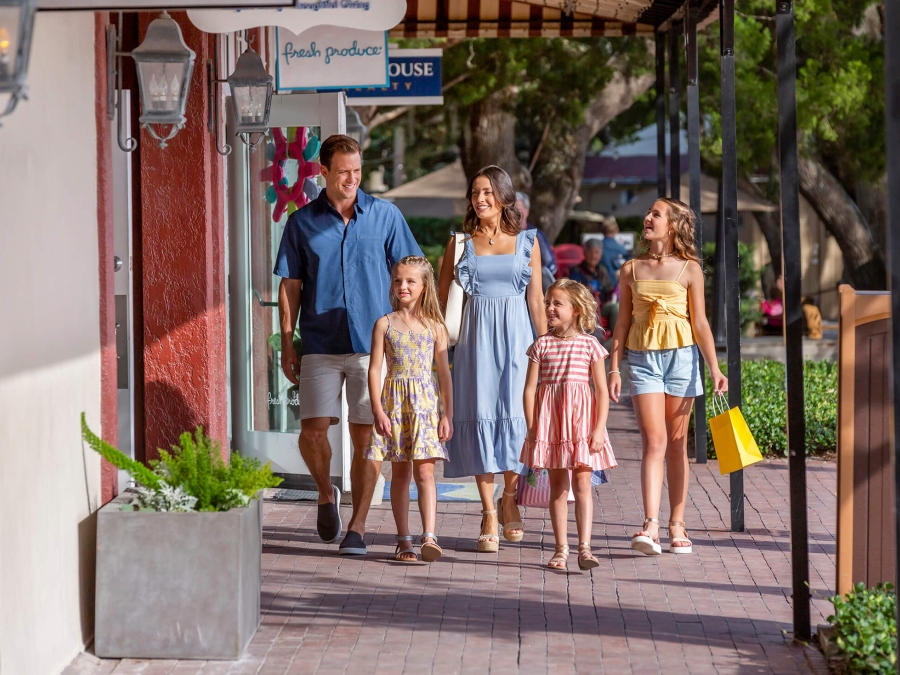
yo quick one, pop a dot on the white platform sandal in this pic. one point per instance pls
(681, 550)
(642, 541)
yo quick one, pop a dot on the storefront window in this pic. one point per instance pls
(283, 177)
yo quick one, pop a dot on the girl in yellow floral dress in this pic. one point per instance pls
(410, 429)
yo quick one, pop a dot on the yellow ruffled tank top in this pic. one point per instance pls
(660, 311)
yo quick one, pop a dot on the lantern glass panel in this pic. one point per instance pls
(161, 86)
(10, 16)
(250, 104)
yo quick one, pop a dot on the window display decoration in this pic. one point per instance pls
(302, 146)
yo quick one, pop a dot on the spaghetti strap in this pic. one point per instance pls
(633, 272)
(388, 317)
(682, 270)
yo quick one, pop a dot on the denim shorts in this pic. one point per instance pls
(675, 372)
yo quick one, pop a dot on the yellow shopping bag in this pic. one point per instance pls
(732, 439)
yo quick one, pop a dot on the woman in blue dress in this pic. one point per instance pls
(500, 271)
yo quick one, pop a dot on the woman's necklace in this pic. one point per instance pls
(490, 238)
(660, 256)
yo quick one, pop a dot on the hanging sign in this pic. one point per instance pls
(301, 15)
(415, 79)
(331, 57)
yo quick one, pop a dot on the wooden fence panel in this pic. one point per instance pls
(865, 533)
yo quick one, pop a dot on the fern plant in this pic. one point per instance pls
(196, 464)
(192, 477)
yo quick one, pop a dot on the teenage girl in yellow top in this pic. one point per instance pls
(662, 322)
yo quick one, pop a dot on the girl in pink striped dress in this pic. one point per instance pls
(566, 418)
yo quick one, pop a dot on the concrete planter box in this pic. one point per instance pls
(177, 585)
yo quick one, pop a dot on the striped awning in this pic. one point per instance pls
(532, 18)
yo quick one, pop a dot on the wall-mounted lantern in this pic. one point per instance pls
(164, 66)
(251, 99)
(16, 28)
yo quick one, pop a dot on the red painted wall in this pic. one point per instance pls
(183, 263)
(109, 411)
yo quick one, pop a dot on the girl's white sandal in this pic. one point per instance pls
(681, 550)
(643, 543)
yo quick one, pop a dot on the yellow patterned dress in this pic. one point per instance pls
(410, 400)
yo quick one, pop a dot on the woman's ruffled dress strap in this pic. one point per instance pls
(465, 268)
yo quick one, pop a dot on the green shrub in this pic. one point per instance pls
(764, 405)
(196, 465)
(865, 629)
(193, 477)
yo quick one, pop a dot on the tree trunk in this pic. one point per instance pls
(872, 201)
(558, 172)
(489, 137)
(863, 260)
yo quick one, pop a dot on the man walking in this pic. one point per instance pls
(335, 262)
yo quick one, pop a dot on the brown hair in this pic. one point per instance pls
(582, 300)
(427, 309)
(682, 220)
(337, 143)
(505, 196)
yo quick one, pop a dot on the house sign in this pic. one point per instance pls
(330, 57)
(415, 79)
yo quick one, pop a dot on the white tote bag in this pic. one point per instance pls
(457, 296)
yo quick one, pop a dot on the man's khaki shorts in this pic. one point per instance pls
(321, 378)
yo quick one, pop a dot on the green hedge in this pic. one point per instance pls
(764, 405)
(865, 629)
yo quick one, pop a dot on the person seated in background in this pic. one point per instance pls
(772, 311)
(813, 318)
(614, 254)
(548, 259)
(592, 273)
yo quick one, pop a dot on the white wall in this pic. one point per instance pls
(49, 352)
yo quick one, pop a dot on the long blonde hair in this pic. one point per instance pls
(427, 309)
(582, 300)
(682, 221)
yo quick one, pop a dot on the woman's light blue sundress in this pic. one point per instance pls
(490, 362)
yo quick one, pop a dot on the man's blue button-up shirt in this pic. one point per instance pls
(345, 270)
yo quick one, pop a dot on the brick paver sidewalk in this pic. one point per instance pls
(725, 609)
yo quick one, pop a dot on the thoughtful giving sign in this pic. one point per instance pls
(331, 57)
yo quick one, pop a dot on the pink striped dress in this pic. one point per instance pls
(565, 405)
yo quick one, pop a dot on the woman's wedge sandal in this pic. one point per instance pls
(683, 550)
(514, 525)
(586, 560)
(405, 552)
(487, 543)
(430, 549)
(560, 559)
(644, 543)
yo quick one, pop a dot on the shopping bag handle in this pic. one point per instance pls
(721, 408)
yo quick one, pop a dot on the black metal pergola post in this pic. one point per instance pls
(660, 114)
(793, 311)
(892, 123)
(693, 129)
(729, 210)
(675, 111)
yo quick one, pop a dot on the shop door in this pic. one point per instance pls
(264, 412)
